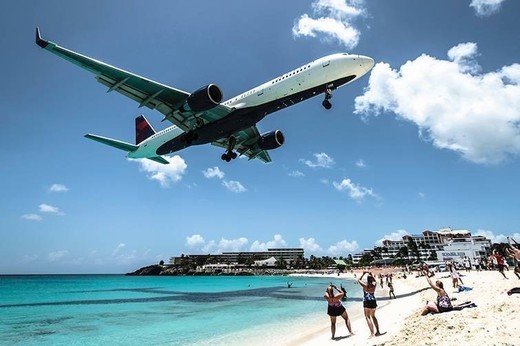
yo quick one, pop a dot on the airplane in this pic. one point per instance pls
(202, 117)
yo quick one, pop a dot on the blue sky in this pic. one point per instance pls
(429, 139)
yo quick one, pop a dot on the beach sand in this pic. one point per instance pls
(495, 320)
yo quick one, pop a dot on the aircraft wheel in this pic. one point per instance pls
(327, 104)
(234, 155)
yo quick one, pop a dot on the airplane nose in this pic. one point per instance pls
(368, 62)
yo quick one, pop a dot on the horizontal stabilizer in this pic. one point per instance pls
(159, 159)
(113, 142)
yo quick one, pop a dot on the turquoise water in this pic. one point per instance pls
(134, 310)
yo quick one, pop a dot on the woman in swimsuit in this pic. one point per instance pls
(335, 308)
(369, 303)
(443, 302)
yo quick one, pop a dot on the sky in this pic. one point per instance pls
(430, 138)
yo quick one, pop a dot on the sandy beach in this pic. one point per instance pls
(494, 321)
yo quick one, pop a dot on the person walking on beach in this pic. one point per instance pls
(515, 253)
(335, 308)
(500, 263)
(369, 303)
(391, 290)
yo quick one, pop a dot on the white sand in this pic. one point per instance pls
(495, 320)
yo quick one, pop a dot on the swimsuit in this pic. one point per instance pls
(369, 300)
(444, 303)
(335, 309)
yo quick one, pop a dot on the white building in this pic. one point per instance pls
(457, 249)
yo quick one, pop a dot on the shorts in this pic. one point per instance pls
(371, 304)
(335, 310)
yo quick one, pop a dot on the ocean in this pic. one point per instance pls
(157, 310)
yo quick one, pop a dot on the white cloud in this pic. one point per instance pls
(421, 194)
(476, 115)
(397, 235)
(164, 174)
(45, 208)
(225, 245)
(57, 255)
(194, 240)
(32, 217)
(310, 246)
(296, 174)
(356, 192)
(234, 186)
(277, 241)
(497, 238)
(322, 160)
(119, 248)
(214, 172)
(332, 20)
(58, 188)
(486, 7)
(361, 164)
(342, 248)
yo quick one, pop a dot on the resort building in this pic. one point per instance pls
(287, 255)
(472, 248)
(430, 245)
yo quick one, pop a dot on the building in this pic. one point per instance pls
(457, 249)
(288, 255)
(429, 245)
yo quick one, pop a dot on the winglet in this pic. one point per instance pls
(39, 41)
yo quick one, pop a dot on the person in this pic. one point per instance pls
(344, 298)
(335, 308)
(391, 290)
(467, 264)
(443, 302)
(455, 276)
(369, 303)
(515, 253)
(289, 284)
(500, 263)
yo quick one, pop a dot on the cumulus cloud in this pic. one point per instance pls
(296, 174)
(332, 20)
(475, 115)
(277, 241)
(32, 217)
(486, 7)
(57, 255)
(194, 240)
(45, 208)
(343, 248)
(58, 188)
(310, 245)
(321, 160)
(225, 245)
(164, 174)
(354, 191)
(214, 172)
(397, 235)
(234, 186)
(361, 164)
(497, 238)
(119, 248)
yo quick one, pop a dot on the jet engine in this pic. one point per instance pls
(271, 140)
(205, 98)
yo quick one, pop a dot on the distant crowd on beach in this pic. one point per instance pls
(443, 302)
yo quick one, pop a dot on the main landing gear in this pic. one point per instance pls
(230, 154)
(326, 103)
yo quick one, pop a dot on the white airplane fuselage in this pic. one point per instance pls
(327, 73)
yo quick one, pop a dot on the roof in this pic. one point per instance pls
(340, 262)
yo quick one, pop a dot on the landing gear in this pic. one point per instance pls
(326, 103)
(230, 154)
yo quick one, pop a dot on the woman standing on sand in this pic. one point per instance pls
(369, 303)
(335, 308)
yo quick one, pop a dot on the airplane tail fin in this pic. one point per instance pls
(113, 142)
(143, 129)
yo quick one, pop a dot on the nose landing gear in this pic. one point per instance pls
(326, 103)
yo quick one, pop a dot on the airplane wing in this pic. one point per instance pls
(149, 93)
(247, 144)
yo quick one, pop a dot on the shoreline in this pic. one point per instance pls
(494, 321)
